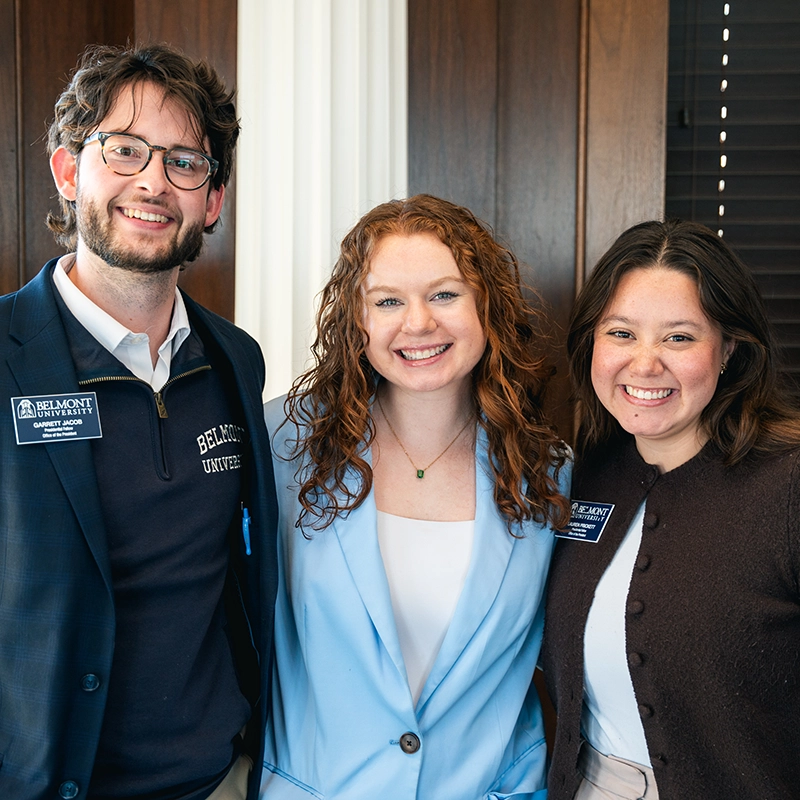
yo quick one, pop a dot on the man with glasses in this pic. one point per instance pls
(137, 505)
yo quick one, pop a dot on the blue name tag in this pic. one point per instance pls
(587, 521)
(56, 418)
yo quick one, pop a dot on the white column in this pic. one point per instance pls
(322, 98)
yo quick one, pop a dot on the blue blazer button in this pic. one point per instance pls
(409, 743)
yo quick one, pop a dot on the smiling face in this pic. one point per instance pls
(656, 361)
(420, 315)
(139, 222)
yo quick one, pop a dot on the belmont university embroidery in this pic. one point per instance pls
(214, 437)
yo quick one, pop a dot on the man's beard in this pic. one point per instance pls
(98, 236)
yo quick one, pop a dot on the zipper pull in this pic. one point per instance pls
(162, 409)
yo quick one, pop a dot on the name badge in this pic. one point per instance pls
(587, 521)
(56, 418)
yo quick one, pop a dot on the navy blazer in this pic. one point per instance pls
(57, 618)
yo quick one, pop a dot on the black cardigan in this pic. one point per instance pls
(712, 622)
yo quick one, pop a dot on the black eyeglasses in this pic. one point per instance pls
(126, 154)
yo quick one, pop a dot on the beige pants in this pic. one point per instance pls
(234, 784)
(611, 778)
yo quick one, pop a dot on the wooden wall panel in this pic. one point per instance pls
(202, 29)
(537, 157)
(452, 54)
(47, 54)
(9, 151)
(626, 131)
(493, 125)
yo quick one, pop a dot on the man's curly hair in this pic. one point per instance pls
(104, 72)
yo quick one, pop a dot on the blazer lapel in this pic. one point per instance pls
(491, 551)
(358, 538)
(43, 365)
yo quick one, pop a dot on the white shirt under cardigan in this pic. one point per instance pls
(426, 565)
(132, 349)
(610, 721)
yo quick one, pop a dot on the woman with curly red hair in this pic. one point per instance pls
(419, 485)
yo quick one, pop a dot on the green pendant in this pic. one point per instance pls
(420, 473)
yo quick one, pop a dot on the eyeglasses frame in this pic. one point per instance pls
(103, 136)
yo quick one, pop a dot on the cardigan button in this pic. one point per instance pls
(643, 562)
(409, 743)
(635, 607)
(651, 519)
(635, 659)
(658, 760)
(645, 712)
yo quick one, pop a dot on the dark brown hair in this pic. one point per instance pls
(749, 408)
(104, 72)
(330, 403)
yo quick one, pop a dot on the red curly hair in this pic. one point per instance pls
(331, 402)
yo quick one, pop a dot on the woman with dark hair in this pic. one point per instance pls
(419, 484)
(672, 644)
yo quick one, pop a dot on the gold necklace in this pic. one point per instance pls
(421, 472)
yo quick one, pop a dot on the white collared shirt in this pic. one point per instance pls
(132, 349)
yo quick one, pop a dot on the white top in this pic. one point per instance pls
(132, 349)
(426, 565)
(610, 720)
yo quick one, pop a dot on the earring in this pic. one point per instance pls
(723, 368)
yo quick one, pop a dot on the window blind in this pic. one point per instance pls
(733, 142)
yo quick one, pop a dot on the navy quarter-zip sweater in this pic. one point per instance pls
(169, 473)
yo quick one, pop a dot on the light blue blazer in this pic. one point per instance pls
(340, 699)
